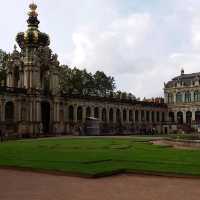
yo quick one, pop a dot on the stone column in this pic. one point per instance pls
(139, 116)
(38, 104)
(127, 116)
(84, 113)
(150, 115)
(193, 115)
(100, 114)
(114, 115)
(121, 116)
(192, 96)
(107, 115)
(133, 116)
(184, 117)
(183, 97)
(75, 113)
(92, 111)
(174, 97)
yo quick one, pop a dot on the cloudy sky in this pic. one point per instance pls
(141, 43)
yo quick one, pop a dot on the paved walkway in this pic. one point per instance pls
(17, 185)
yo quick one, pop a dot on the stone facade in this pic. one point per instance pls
(32, 104)
(182, 95)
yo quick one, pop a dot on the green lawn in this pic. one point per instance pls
(93, 156)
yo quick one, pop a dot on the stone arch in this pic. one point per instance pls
(111, 115)
(71, 113)
(96, 112)
(80, 113)
(180, 117)
(104, 115)
(9, 111)
(124, 115)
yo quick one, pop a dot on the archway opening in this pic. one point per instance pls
(79, 114)
(171, 117)
(45, 107)
(111, 115)
(189, 118)
(197, 117)
(180, 117)
(9, 111)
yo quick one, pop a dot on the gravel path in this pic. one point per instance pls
(18, 185)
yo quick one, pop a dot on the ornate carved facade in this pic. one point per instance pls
(32, 103)
(182, 95)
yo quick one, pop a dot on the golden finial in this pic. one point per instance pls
(33, 8)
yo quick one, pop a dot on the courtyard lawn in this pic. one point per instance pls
(98, 156)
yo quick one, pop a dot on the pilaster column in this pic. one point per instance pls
(84, 113)
(193, 115)
(114, 115)
(100, 114)
(184, 117)
(127, 116)
(75, 113)
(107, 114)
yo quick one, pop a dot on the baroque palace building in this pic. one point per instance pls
(32, 103)
(182, 95)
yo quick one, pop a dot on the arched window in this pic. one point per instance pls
(171, 117)
(153, 116)
(158, 116)
(136, 116)
(9, 111)
(104, 115)
(142, 115)
(180, 117)
(111, 115)
(189, 117)
(88, 112)
(170, 98)
(187, 97)
(178, 97)
(147, 116)
(71, 113)
(96, 112)
(124, 115)
(79, 114)
(130, 115)
(118, 115)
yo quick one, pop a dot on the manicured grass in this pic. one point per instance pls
(93, 156)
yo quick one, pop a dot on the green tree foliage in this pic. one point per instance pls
(78, 81)
(3, 64)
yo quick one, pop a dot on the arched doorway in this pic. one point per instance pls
(197, 117)
(79, 114)
(88, 112)
(96, 113)
(45, 108)
(111, 115)
(71, 113)
(130, 116)
(104, 118)
(124, 115)
(9, 111)
(171, 117)
(180, 117)
(189, 117)
(118, 116)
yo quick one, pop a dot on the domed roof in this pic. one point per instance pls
(32, 37)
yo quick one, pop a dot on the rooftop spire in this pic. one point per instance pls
(32, 20)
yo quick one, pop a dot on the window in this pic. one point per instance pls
(178, 97)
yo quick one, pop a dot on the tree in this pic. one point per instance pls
(3, 65)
